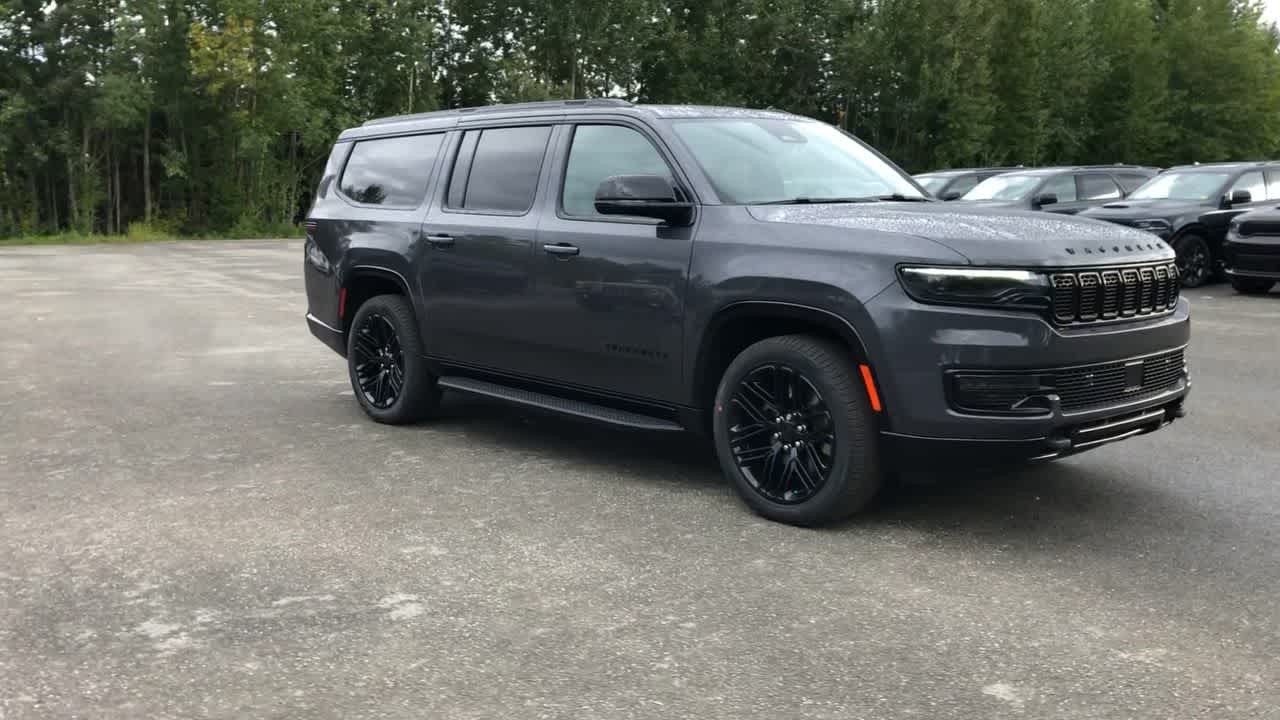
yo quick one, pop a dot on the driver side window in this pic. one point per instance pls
(599, 152)
(1253, 182)
(1064, 186)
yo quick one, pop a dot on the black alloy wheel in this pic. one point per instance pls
(1195, 263)
(387, 363)
(379, 361)
(781, 434)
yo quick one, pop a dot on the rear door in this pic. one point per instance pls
(610, 290)
(476, 254)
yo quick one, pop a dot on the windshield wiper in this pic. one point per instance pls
(816, 200)
(899, 197)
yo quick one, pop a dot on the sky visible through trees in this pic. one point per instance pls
(215, 116)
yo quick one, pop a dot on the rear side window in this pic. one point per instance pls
(1131, 181)
(1098, 187)
(600, 152)
(1273, 184)
(502, 175)
(390, 171)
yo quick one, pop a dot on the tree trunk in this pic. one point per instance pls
(110, 190)
(91, 210)
(146, 169)
(119, 223)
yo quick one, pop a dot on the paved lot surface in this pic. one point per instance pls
(197, 521)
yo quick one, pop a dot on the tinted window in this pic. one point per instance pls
(1273, 184)
(932, 183)
(1064, 186)
(503, 175)
(1004, 187)
(1098, 187)
(1131, 181)
(1251, 181)
(390, 171)
(601, 151)
(964, 184)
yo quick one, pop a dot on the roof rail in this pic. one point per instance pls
(484, 109)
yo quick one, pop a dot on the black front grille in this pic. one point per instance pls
(1108, 383)
(1084, 296)
(1078, 388)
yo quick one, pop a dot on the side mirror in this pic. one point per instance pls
(1240, 197)
(1044, 199)
(951, 195)
(650, 196)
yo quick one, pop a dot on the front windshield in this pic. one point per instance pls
(1182, 186)
(932, 183)
(766, 160)
(1004, 187)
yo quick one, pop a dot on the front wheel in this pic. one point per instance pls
(386, 362)
(1252, 286)
(1195, 263)
(794, 431)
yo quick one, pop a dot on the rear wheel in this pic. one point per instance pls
(794, 431)
(1252, 286)
(1195, 263)
(386, 362)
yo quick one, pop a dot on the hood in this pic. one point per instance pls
(986, 236)
(1164, 209)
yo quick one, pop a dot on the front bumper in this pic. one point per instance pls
(921, 344)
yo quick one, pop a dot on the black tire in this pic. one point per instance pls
(1195, 262)
(1252, 286)
(852, 476)
(383, 347)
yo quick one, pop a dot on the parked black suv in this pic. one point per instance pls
(1063, 190)
(953, 184)
(1190, 206)
(757, 275)
(1251, 251)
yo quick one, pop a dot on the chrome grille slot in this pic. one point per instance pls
(1092, 295)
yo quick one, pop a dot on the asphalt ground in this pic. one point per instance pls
(198, 521)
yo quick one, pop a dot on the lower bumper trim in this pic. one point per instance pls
(330, 336)
(915, 452)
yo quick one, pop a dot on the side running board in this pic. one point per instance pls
(564, 406)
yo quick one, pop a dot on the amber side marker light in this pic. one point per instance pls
(867, 380)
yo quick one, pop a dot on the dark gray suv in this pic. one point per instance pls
(758, 276)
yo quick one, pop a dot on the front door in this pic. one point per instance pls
(610, 291)
(476, 256)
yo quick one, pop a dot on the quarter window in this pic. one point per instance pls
(390, 171)
(1253, 182)
(1098, 187)
(503, 173)
(600, 152)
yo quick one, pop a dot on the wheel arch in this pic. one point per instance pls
(735, 327)
(362, 282)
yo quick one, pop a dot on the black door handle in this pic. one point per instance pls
(440, 240)
(561, 249)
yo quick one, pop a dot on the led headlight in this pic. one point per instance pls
(986, 287)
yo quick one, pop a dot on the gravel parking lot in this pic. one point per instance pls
(199, 522)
